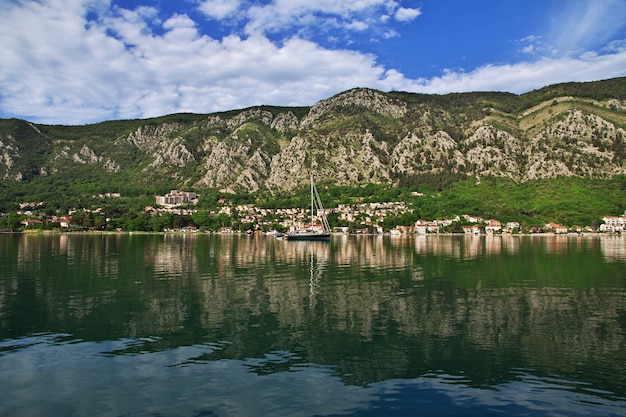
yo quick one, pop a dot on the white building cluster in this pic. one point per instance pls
(176, 198)
(613, 224)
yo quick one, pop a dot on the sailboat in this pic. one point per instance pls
(314, 231)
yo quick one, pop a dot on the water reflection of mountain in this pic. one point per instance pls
(381, 307)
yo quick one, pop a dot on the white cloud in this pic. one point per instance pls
(405, 15)
(532, 45)
(283, 15)
(68, 70)
(357, 25)
(219, 9)
(179, 22)
(58, 67)
(525, 76)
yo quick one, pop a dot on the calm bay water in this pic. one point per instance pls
(193, 325)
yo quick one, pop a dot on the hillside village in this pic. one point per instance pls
(363, 218)
(370, 217)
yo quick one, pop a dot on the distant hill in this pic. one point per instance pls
(358, 137)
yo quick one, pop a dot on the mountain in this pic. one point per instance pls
(357, 137)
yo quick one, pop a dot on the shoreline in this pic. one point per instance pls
(117, 232)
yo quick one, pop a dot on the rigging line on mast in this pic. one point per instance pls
(320, 207)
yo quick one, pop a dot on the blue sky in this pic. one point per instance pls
(84, 61)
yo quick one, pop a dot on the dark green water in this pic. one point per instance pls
(192, 325)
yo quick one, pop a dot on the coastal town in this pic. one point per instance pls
(363, 218)
(368, 219)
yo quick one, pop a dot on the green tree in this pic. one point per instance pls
(135, 222)
(160, 222)
(202, 219)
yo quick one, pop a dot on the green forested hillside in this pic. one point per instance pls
(554, 154)
(567, 201)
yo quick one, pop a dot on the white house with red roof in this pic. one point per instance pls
(493, 226)
(556, 228)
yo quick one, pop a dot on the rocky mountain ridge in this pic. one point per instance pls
(359, 136)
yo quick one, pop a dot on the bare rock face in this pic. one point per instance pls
(362, 159)
(493, 152)
(87, 155)
(580, 144)
(222, 164)
(422, 152)
(365, 98)
(290, 167)
(8, 153)
(148, 138)
(285, 122)
(173, 153)
(163, 145)
(245, 116)
(232, 165)
(252, 177)
(349, 160)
